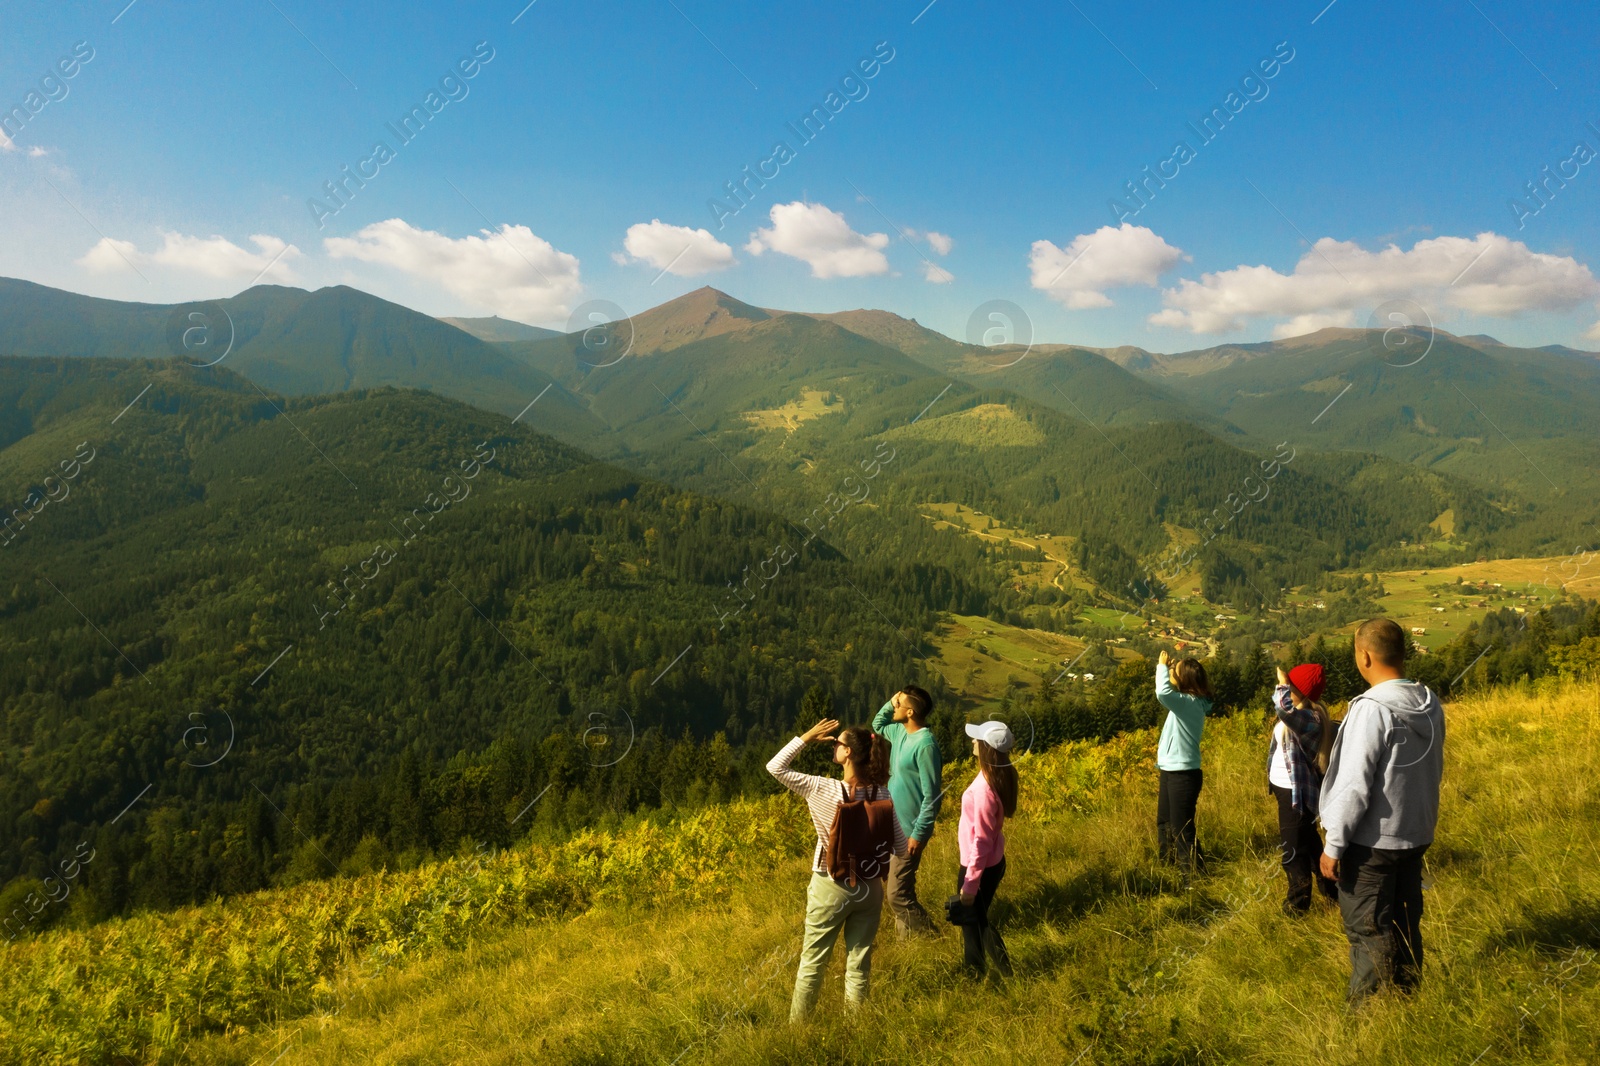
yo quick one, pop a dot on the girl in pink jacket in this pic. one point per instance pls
(987, 803)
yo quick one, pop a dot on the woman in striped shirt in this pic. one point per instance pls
(833, 905)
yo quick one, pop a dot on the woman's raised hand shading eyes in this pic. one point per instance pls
(823, 730)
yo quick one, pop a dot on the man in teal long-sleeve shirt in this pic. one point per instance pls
(916, 785)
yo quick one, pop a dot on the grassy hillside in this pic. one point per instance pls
(1446, 600)
(678, 943)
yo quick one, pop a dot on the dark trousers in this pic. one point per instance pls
(1175, 839)
(1380, 897)
(978, 936)
(1302, 852)
(910, 917)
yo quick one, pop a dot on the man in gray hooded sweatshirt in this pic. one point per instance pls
(1380, 803)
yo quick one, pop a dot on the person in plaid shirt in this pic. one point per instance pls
(1296, 762)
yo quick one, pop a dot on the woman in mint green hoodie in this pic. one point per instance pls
(1183, 690)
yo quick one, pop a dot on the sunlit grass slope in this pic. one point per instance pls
(680, 945)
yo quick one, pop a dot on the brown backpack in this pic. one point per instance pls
(861, 838)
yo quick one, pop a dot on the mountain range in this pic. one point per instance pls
(747, 402)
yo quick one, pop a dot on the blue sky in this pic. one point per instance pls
(197, 127)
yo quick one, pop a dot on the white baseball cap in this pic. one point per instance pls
(995, 734)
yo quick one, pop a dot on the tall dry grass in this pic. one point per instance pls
(1117, 960)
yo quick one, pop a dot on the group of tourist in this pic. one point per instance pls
(1370, 779)
(873, 823)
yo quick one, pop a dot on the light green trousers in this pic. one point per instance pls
(830, 907)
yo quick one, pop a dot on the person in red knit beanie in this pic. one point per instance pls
(1302, 738)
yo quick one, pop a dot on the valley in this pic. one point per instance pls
(1434, 605)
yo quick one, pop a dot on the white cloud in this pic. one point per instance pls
(509, 271)
(8, 145)
(1300, 325)
(110, 255)
(937, 274)
(1592, 333)
(941, 243)
(823, 240)
(1078, 274)
(677, 250)
(212, 257)
(1486, 275)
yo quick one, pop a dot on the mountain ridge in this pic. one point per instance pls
(292, 340)
(1465, 408)
(496, 330)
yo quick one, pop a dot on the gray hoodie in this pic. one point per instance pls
(1382, 787)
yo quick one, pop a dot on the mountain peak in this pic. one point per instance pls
(705, 312)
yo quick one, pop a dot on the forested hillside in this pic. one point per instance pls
(1504, 419)
(267, 628)
(1130, 490)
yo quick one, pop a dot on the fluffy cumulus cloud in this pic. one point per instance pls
(1111, 256)
(677, 249)
(937, 274)
(1337, 281)
(212, 257)
(823, 240)
(509, 271)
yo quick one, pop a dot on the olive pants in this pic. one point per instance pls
(833, 907)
